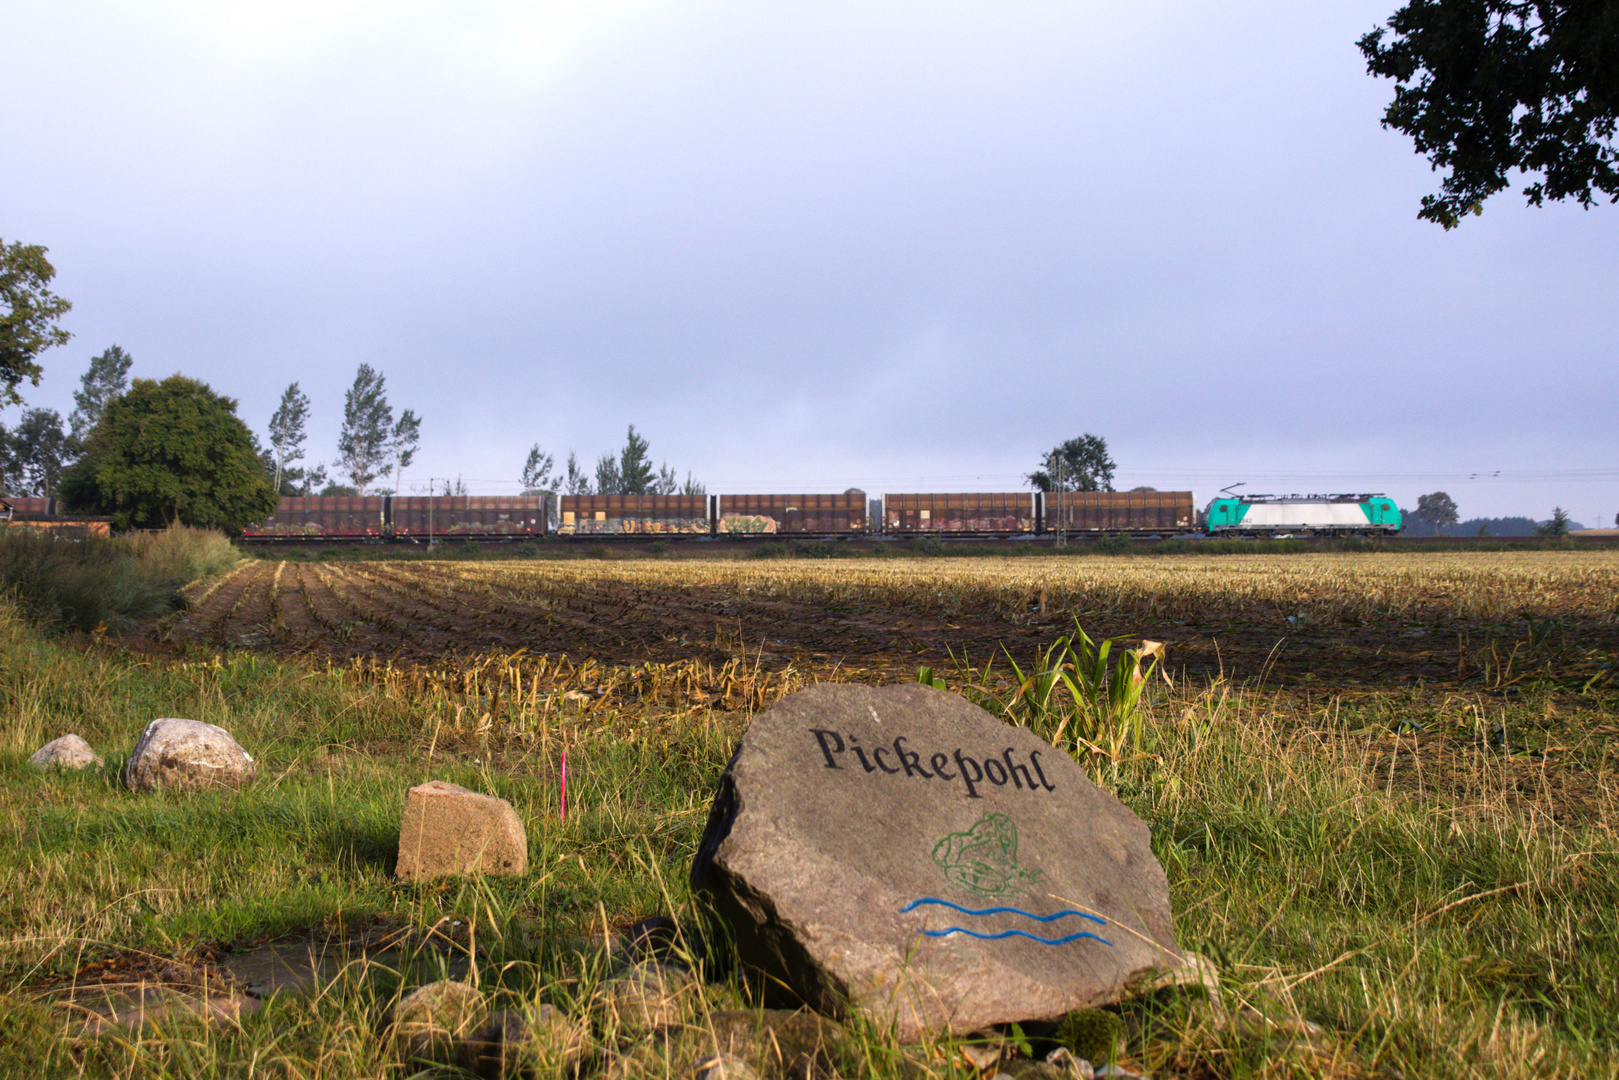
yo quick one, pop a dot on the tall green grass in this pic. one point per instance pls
(1436, 917)
(63, 583)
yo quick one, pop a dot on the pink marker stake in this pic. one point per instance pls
(564, 785)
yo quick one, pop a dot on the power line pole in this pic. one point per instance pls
(1062, 516)
(430, 480)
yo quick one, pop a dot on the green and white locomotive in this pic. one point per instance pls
(1304, 515)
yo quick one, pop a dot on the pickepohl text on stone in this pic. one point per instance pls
(997, 770)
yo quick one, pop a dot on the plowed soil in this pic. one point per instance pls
(427, 612)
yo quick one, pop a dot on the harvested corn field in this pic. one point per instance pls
(1338, 619)
(1437, 650)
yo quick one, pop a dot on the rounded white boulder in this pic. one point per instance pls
(187, 755)
(68, 752)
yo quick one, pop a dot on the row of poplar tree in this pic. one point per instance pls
(149, 453)
(41, 449)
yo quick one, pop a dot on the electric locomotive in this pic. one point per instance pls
(1308, 515)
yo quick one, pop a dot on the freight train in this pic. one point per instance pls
(851, 514)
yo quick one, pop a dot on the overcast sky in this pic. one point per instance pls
(804, 247)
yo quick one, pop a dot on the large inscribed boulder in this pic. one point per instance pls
(900, 850)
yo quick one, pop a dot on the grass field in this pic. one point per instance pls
(1382, 787)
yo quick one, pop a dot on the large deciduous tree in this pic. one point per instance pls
(29, 314)
(630, 472)
(404, 442)
(362, 444)
(576, 481)
(171, 451)
(1080, 464)
(287, 433)
(1488, 87)
(34, 453)
(636, 476)
(609, 481)
(105, 379)
(43, 450)
(1437, 509)
(1559, 524)
(10, 472)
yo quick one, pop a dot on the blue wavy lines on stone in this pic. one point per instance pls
(914, 904)
(1017, 933)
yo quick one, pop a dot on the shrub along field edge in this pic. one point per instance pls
(107, 583)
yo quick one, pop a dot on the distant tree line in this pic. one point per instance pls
(629, 472)
(1436, 514)
(151, 453)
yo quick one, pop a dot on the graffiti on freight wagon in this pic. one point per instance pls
(576, 525)
(746, 524)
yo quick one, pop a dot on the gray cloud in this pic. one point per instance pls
(814, 246)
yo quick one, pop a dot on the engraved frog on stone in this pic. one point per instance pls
(983, 860)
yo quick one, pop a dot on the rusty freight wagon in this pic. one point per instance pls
(456, 516)
(980, 513)
(791, 515)
(317, 516)
(625, 515)
(1117, 511)
(404, 517)
(43, 515)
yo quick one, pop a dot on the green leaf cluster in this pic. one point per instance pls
(1079, 695)
(29, 313)
(1081, 464)
(1485, 87)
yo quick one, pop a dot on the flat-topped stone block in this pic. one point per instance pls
(451, 830)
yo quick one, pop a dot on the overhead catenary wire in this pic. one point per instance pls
(1123, 479)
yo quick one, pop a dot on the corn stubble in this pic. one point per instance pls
(1383, 897)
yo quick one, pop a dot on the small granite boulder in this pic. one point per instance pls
(725, 1067)
(68, 752)
(187, 755)
(514, 1043)
(776, 1043)
(435, 1021)
(899, 850)
(647, 996)
(450, 830)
